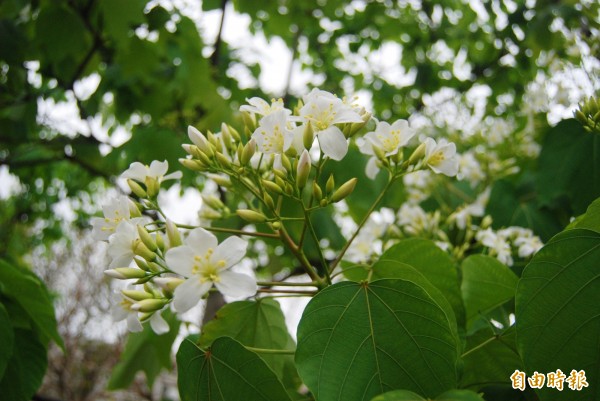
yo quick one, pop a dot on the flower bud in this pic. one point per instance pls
(223, 160)
(248, 152)
(225, 134)
(330, 185)
(323, 202)
(160, 242)
(142, 250)
(303, 170)
(141, 263)
(220, 180)
(199, 140)
(146, 238)
(168, 283)
(251, 216)
(136, 295)
(134, 209)
(173, 234)
(285, 162)
(154, 267)
(213, 202)
(249, 121)
(136, 188)
(486, 222)
(190, 164)
(124, 273)
(317, 192)
(152, 186)
(269, 201)
(149, 305)
(308, 135)
(345, 190)
(271, 186)
(418, 154)
(276, 225)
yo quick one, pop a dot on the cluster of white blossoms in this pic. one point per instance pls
(160, 268)
(502, 242)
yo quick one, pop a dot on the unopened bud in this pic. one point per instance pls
(142, 250)
(146, 238)
(269, 201)
(136, 188)
(225, 134)
(308, 136)
(380, 153)
(355, 127)
(134, 209)
(149, 305)
(251, 216)
(124, 273)
(154, 267)
(418, 154)
(199, 140)
(249, 121)
(136, 295)
(194, 165)
(173, 234)
(285, 162)
(213, 202)
(160, 242)
(220, 180)
(223, 160)
(141, 263)
(486, 222)
(345, 190)
(317, 192)
(168, 283)
(271, 186)
(330, 185)
(303, 170)
(152, 186)
(248, 152)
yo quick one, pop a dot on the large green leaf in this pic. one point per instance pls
(145, 351)
(8, 337)
(577, 176)
(489, 359)
(486, 284)
(258, 324)
(429, 260)
(26, 367)
(450, 395)
(31, 294)
(225, 372)
(591, 219)
(357, 340)
(558, 312)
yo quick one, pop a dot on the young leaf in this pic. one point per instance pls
(225, 372)
(558, 312)
(8, 337)
(357, 340)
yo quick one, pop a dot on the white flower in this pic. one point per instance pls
(261, 107)
(124, 311)
(414, 220)
(470, 169)
(122, 244)
(157, 170)
(528, 245)
(441, 157)
(115, 211)
(390, 138)
(204, 262)
(323, 110)
(272, 135)
(497, 244)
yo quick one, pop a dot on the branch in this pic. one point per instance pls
(214, 58)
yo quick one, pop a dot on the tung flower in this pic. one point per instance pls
(261, 107)
(441, 157)
(157, 170)
(272, 135)
(204, 262)
(115, 211)
(390, 138)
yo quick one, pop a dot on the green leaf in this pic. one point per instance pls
(558, 312)
(120, 17)
(8, 337)
(450, 395)
(31, 295)
(591, 218)
(578, 174)
(486, 285)
(26, 367)
(258, 324)
(399, 395)
(145, 351)
(429, 260)
(490, 359)
(359, 340)
(459, 395)
(225, 372)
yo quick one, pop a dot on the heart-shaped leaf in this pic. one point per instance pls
(357, 340)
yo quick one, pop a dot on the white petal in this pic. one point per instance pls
(333, 143)
(236, 285)
(176, 175)
(158, 324)
(133, 323)
(201, 241)
(136, 171)
(181, 260)
(232, 250)
(372, 169)
(158, 169)
(118, 313)
(188, 294)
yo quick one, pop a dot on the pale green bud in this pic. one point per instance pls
(271, 186)
(308, 136)
(223, 160)
(303, 170)
(234, 133)
(220, 180)
(168, 283)
(124, 273)
(147, 238)
(142, 264)
(269, 201)
(345, 190)
(285, 162)
(317, 192)
(225, 134)
(142, 250)
(194, 165)
(152, 186)
(149, 305)
(136, 295)
(330, 185)
(417, 155)
(160, 242)
(251, 216)
(199, 140)
(248, 152)
(154, 267)
(486, 222)
(276, 225)
(134, 209)
(136, 188)
(213, 202)
(249, 121)
(173, 234)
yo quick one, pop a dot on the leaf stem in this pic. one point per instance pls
(271, 351)
(287, 284)
(483, 344)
